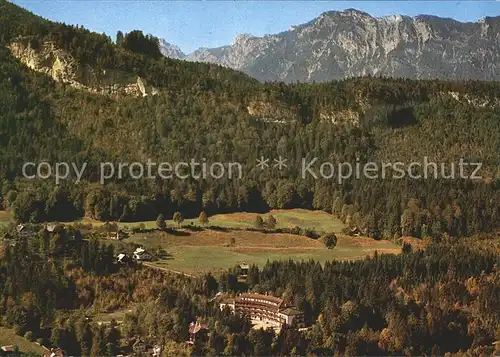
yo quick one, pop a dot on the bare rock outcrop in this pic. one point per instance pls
(63, 68)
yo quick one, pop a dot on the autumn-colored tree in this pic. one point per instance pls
(160, 222)
(271, 222)
(329, 240)
(203, 219)
(259, 222)
(178, 218)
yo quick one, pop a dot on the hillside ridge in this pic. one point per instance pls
(352, 43)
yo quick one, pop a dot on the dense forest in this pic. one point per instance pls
(54, 285)
(433, 302)
(206, 111)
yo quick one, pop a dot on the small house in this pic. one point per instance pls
(141, 254)
(23, 231)
(54, 352)
(244, 267)
(50, 227)
(139, 346)
(11, 349)
(122, 258)
(156, 351)
(118, 235)
(355, 232)
(198, 333)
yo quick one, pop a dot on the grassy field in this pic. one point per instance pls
(319, 221)
(195, 252)
(118, 315)
(8, 337)
(208, 250)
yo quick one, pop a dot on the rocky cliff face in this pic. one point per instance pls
(272, 112)
(49, 60)
(62, 67)
(352, 43)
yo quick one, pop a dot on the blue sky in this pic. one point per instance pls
(193, 24)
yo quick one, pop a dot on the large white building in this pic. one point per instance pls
(265, 308)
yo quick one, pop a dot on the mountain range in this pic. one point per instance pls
(352, 43)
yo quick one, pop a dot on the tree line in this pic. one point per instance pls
(202, 111)
(419, 302)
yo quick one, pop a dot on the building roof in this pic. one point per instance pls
(139, 251)
(226, 300)
(197, 327)
(290, 311)
(9, 348)
(54, 352)
(138, 342)
(269, 298)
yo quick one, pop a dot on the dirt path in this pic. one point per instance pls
(153, 266)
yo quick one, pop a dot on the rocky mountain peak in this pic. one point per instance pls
(241, 39)
(352, 43)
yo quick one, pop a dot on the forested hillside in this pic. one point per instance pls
(441, 301)
(70, 95)
(206, 111)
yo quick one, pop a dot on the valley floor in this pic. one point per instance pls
(9, 337)
(197, 252)
(194, 252)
